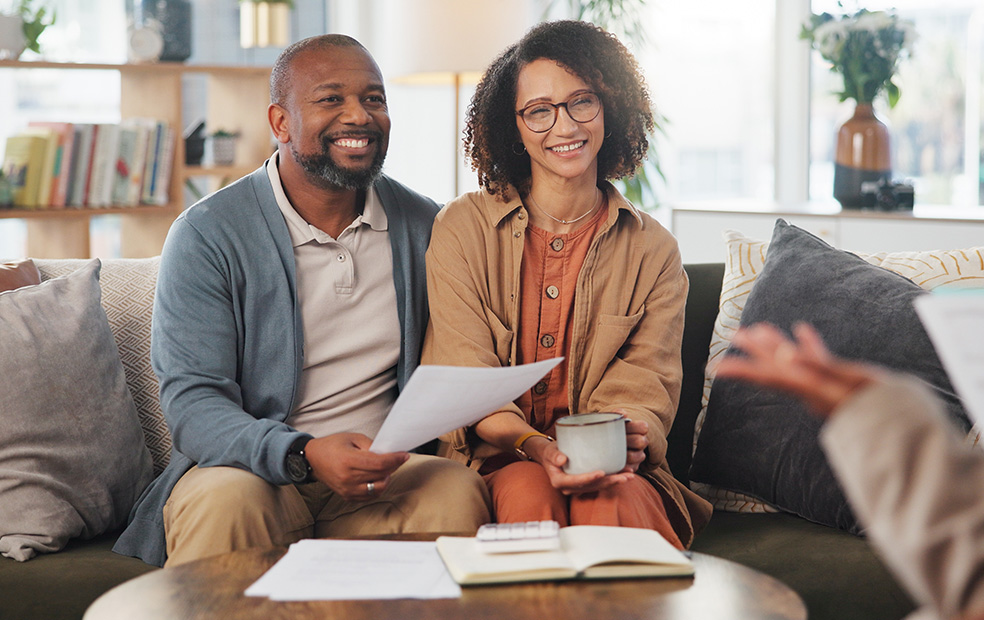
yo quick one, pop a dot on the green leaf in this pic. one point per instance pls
(893, 92)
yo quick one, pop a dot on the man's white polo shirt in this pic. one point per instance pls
(351, 326)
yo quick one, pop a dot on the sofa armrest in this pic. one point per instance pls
(701, 312)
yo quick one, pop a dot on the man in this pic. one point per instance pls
(913, 481)
(290, 309)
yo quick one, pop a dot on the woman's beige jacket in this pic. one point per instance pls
(628, 322)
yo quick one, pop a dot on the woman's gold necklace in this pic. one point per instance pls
(577, 219)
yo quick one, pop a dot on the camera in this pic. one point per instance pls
(888, 195)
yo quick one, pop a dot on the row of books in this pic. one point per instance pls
(58, 165)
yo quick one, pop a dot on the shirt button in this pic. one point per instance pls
(547, 340)
(540, 387)
(341, 258)
(557, 244)
(517, 234)
(521, 216)
(552, 292)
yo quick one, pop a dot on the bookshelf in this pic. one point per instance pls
(237, 97)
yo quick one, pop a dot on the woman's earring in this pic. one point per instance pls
(521, 148)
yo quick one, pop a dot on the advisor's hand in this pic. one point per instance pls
(802, 367)
(344, 463)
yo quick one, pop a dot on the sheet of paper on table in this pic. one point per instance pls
(345, 570)
(440, 399)
(955, 324)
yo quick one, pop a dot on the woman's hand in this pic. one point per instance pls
(547, 454)
(636, 442)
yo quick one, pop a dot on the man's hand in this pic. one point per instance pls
(802, 367)
(344, 463)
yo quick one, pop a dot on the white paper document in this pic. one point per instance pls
(346, 570)
(955, 324)
(440, 399)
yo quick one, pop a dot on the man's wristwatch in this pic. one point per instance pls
(298, 468)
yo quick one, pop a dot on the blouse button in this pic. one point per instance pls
(540, 387)
(557, 244)
(553, 292)
(521, 216)
(547, 340)
(517, 234)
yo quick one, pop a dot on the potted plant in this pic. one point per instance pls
(865, 48)
(224, 147)
(264, 23)
(21, 29)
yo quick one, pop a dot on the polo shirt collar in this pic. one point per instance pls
(300, 230)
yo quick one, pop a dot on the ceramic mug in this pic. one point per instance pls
(592, 441)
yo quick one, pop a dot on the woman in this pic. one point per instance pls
(550, 260)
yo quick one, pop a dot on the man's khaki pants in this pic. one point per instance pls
(214, 510)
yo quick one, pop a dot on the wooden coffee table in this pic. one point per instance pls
(213, 588)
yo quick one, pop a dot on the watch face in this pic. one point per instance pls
(145, 44)
(297, 467)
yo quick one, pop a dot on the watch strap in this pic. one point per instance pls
(518, 445)
(296, 453)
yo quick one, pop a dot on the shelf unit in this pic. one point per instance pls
(237, 99)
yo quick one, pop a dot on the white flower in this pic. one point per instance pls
(830, 38)
(874, 21)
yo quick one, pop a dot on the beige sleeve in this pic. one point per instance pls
(918, 488)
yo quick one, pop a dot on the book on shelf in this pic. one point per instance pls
(586, 552)
(23, 160)
(61, 168)
(47, 165)
(134, 187)
(81, 163)
(157, 192)
(126, 153)
(103, 168)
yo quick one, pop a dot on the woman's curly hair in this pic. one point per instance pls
(595, 56)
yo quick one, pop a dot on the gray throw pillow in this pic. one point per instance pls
(72, 455)
(762, 443)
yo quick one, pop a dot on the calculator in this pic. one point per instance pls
(518, 537)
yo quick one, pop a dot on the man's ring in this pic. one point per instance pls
(370, 488)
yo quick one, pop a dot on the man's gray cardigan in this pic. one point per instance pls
(227, 342)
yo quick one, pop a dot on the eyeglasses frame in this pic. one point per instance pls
(556, 108)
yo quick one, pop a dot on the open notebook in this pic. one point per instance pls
(586, 552)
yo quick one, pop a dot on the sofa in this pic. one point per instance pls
(836, 573)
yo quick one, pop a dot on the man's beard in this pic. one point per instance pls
(322, 167)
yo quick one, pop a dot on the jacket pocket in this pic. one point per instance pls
(612, 333)
(502, 338)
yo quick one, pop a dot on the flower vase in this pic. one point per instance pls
(863, 158)
(12, 39)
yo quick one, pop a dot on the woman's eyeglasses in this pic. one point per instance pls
(542, 116)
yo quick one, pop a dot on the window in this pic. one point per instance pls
(710, 71)
(936, 125)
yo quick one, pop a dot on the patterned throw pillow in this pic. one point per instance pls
(128, 286)
(744, 261)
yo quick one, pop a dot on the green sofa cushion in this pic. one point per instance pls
(57, 586)
(835, 572)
